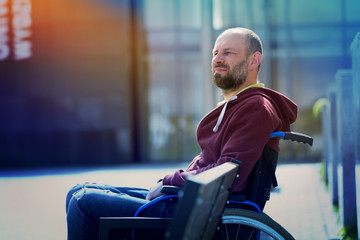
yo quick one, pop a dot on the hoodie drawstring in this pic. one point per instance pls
(221, 116)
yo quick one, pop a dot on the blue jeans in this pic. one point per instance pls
(86, 203)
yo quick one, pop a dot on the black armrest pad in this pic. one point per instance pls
(170, 190)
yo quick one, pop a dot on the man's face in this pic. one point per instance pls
(229, 63)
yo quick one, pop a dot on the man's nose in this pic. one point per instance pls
(218, 59)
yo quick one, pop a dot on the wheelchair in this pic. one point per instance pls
(238, 216)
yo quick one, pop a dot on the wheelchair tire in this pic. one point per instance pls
(251, 224)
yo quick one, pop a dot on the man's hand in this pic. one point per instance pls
(154, 191)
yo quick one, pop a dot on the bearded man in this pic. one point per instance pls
(239, 128)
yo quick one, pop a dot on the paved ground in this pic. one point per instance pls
(32, 203)
(302, 205)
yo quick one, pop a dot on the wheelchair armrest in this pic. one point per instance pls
(170, 190)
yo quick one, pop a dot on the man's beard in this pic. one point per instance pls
(233, 79)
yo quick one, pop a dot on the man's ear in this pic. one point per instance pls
(255, 61)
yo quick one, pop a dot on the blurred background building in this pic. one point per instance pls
(105, 82)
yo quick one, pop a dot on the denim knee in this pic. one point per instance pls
(73, 191)
(77, 222)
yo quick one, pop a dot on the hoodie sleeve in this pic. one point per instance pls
(179, 176)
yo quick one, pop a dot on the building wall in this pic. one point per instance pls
(116, 81)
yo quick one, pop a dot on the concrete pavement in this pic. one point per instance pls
(302, 204)
(32, 204)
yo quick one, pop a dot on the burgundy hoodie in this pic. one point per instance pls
(241, 133)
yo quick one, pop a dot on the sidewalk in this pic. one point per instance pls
(33, 206)
(302, 204)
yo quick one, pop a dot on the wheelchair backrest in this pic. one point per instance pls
(262, 178)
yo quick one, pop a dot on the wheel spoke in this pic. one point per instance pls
(227, 232)
(237, 232)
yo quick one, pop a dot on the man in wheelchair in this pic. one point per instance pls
(239, 128)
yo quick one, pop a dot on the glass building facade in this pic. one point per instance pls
(120, 81)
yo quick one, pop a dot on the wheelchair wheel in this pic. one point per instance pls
(245, 224)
